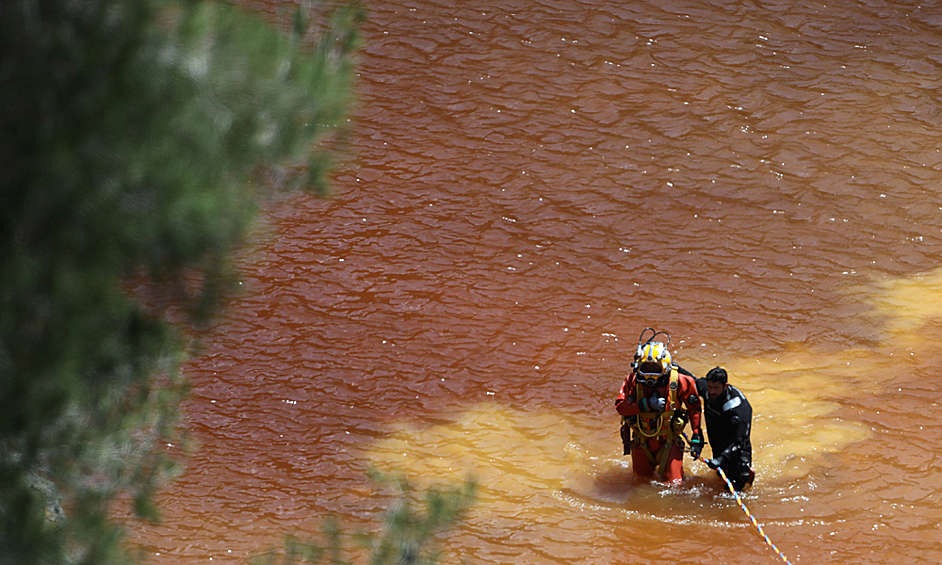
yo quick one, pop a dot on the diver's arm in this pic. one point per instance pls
(626, 404)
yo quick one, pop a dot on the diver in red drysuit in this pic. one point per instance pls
(657, 400)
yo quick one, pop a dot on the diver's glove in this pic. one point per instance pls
(696, 444)
(653, 404)
(713, 463)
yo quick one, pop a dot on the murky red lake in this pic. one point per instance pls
(531, 184)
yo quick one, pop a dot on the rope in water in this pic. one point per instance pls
(751, 517)
(742, 505)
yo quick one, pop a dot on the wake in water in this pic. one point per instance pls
(607, 484)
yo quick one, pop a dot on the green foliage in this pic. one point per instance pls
(408, 536)
(135, 135)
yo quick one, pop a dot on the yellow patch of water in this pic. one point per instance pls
(796, 394)
(909, 303)
(795, 399)
(511, 453)
(527, 464)
(519, 456)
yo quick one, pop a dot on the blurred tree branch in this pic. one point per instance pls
(135, 134)
(411, 527)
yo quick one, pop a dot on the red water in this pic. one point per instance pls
(532, 184)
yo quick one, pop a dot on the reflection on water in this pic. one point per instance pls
(533, 183)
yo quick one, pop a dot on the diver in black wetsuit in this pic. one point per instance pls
(728, 424)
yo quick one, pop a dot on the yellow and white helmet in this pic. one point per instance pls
(653, 361)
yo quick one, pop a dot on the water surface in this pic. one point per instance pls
(533, 183)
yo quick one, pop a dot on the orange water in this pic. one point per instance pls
(532, 184)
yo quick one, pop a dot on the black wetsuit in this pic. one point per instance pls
(728, 425)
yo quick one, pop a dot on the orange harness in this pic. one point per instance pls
(668, 424)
